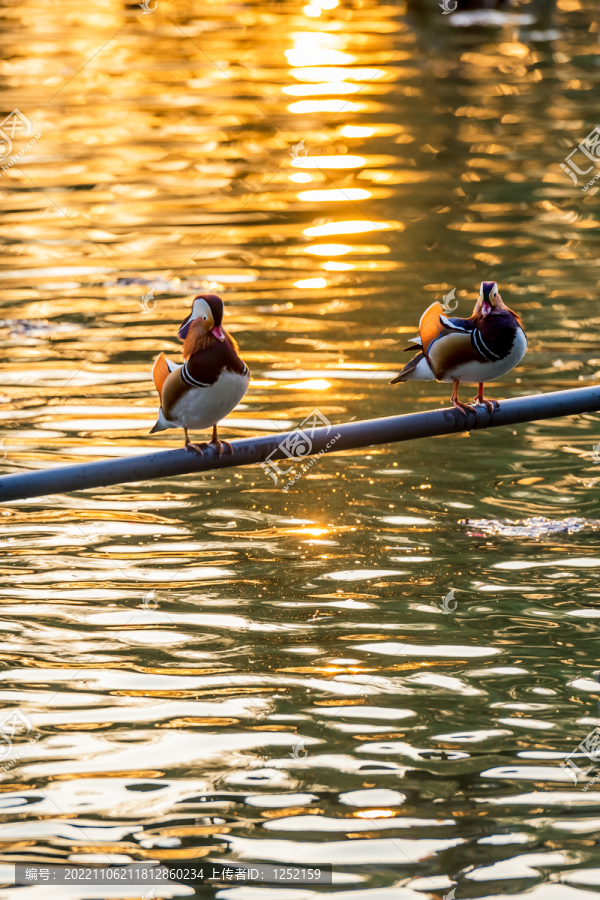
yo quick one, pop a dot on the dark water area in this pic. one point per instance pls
(382, 665)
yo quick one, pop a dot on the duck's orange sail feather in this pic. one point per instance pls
(430, 326)
(160, 371)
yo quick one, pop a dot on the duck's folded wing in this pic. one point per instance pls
(451, 350)
(161, 370)
(435, 323)
(174, 389)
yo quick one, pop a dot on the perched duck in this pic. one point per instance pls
(481, 348)
(210, 383)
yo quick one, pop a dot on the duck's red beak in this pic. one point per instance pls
(486, 308)
(218, 332)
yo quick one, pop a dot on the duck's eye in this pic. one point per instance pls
(204, 317)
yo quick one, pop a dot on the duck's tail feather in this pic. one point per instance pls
(415, 343)
(417, 369)
(161, 423)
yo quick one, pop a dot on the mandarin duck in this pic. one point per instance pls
(481, 348)
(210, 383)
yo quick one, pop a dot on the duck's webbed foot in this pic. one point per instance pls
(491, 405)
(215, 442)
(191, 447)
(195, 448)
(220, 445)
(463, 407)
(458, 404)
(480, 400)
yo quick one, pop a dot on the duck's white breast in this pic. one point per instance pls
(202, 407)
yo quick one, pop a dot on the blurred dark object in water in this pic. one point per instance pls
(416, 6)
(472, 13)
(502, 5)
(535, 527)
(33, 327)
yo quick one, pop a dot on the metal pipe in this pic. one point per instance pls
(249, 451)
